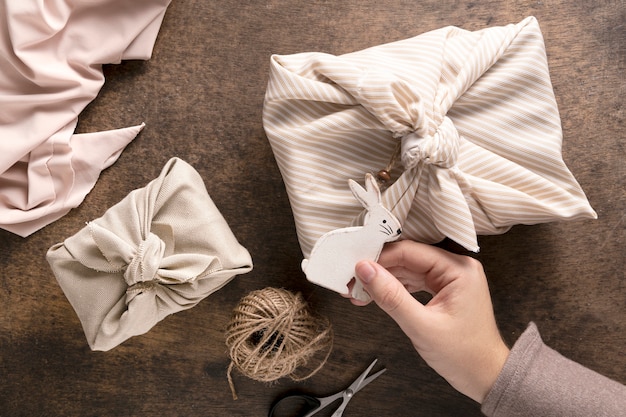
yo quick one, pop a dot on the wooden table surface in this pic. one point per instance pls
(201, 96)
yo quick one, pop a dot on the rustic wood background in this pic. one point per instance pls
(201, 96)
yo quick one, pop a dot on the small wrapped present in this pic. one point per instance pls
(160, 250)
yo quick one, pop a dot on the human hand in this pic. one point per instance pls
(455, 332)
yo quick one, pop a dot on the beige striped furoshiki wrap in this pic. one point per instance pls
(471, 116)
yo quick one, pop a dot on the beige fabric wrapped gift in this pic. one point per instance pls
(469, 118)
(160, 250)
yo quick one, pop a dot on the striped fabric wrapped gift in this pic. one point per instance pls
(466, 123)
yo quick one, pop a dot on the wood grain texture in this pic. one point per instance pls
(201, 97)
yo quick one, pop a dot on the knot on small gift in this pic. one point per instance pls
(146, 261)
(440, 149)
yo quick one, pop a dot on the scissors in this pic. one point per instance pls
(314, 404)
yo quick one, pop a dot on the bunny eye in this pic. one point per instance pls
(384, 221)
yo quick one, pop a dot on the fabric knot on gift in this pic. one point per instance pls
(144, 265)
(440, 149)
(139, 264)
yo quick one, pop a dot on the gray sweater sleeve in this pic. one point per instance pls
(538, 381)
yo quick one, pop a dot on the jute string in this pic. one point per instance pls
(273, 334)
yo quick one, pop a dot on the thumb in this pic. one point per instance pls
(389, 294)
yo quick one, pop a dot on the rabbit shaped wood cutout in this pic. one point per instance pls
(336, 253)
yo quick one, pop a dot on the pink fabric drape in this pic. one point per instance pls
(51, 57)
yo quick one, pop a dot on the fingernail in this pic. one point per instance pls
(365, 271)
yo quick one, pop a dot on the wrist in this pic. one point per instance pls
(493, 367)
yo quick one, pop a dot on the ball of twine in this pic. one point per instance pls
(273, 334)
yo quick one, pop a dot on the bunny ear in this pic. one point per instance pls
(373, 192)
(359, 192)
(369, 196)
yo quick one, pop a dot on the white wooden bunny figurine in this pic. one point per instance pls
(336, 253)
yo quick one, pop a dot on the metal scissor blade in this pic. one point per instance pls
(356, 386)
(369, 379)
(362, 381)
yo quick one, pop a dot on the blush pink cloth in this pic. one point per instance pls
(51, 57)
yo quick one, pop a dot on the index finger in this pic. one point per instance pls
(434, 266)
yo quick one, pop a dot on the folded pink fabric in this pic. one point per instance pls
(51, 55)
